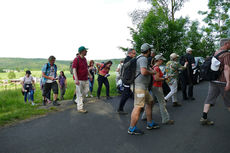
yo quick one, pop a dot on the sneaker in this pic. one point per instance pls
(206, 121)
(82, 111)
(55, 103)
(91, 96)
(154, 126)
(108, 98)
(121, 112)
(86, 95)
(44, 102)
(176, 104)
(169, 122)
(135, 132)
(33, 104)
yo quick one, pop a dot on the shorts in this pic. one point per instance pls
(142, 97)
(216, 89)
(48, 86)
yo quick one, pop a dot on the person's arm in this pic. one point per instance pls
(157, 77)
(47, 77)
(22, 83)
(75, 76)
(227, 77)
(65, 83)
(33, 83)
(90, 76)
(144, 71)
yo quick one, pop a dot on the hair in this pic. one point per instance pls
(223, 41)
(122, 61)
(51, 58)
(63, 74)
(91, 61)
(108, 62)
(77, 54)
(130, 50)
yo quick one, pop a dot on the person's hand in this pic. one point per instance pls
(90, 77)
(185, 64)
(227, 87)
(77, 82)
(52, 78)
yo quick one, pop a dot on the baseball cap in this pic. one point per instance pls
(173, 56)
(215, 64)
(146, 47)
(159, 56)
(188, 49)
(82, 48)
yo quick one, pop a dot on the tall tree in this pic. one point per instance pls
(217, 18)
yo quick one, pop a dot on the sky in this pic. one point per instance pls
(40, 28)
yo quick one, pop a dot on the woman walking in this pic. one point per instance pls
(62, 84)
(103, 73)
(28, 87)
(92, 71)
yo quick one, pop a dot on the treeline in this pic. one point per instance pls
(22, 64)
(159, 27)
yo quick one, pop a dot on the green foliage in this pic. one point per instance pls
(217, 19)
(11, 75)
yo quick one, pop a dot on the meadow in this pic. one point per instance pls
(13, 107)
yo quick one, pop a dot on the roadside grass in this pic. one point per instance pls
(13, 107)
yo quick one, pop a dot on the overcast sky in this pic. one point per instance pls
(40, 28)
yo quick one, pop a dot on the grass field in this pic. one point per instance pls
(12, 106)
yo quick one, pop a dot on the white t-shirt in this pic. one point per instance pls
(28, 80)
(119, 67)
(51, 75)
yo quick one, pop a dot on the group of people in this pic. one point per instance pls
(147, 84)
(143, 95)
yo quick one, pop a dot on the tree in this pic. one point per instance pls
(217, 19)
(11, 75)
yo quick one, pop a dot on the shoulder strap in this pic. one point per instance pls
(47, 66)
(102, 67)
(225, 51)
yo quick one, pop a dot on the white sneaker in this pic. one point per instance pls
(86, 95)
(33, 104)
(91, 96)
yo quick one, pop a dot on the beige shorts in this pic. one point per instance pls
(142, 97)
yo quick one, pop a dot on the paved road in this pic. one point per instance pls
(104, 131)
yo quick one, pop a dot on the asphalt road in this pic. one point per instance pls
(103, 131)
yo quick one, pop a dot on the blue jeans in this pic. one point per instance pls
(91, 83)
(30, 95)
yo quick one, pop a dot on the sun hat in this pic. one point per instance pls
(82, 48)
(146, 47)
(173, 56)
(188, 49)
(159, 57)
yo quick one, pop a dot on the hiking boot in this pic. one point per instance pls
(206, 121)
(55, 103)
(176, 104)
(169, 122)
(121, 112)
(82, 111)
(153, 126)
(136, 131)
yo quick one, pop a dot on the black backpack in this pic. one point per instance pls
(205, 69)
(128, 71)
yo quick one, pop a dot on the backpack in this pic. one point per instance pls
(71, 66)
(128, 71)
(205, 69)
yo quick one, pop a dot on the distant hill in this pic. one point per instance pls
(37, 63)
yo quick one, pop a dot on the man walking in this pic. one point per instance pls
(222, 85)
(186, 76)
(49, 77)
(80, 76)
(141, 92)
(127, 92)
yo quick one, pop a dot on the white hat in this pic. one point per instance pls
(146, 47)
(215, 64)
(173, 56)
(188, 49)
(159, 56)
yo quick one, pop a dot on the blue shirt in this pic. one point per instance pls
(46, 70)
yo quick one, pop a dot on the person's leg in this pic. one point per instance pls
(173, 90)
(85, 89)
(25, 96)
(162, 104)
(213, 93)
(32, 97)
(100, 82)
(183, 86)
(55, 93)
(124, 97)
(225, 95)
(79, 99)
(106, 82)
(190, 91)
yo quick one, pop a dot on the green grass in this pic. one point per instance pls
(12, 106)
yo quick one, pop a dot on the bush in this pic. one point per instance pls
(11, 75)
